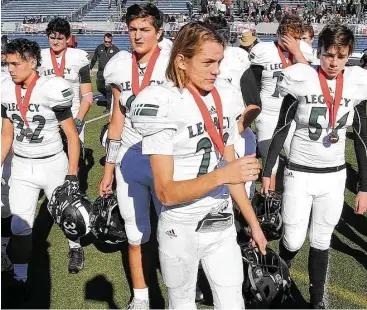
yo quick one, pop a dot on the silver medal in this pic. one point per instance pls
(28, 133)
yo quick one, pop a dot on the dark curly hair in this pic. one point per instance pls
(220, 26)
(145, 10)
(27, 49)
(337, 35)
(290, 24)
(59, 25)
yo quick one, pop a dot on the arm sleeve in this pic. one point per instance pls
(62, 114)
(94, 59)
(257, 72)
(84, 74)
(360, 143)
(250, 88)
(287, 113)
(3, 112)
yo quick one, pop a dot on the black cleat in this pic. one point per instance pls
(76, 260)
(319, 305)
(20, 293)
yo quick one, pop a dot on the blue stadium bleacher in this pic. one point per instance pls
(15, 10)
(101, 12)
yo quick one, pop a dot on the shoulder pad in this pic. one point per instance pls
(81, 57)
(45, 51)
(258, 53)
(120, 60)
(306, 50)
(359, 77)
(57, 91)
(231, 97)
(150, 111)
(293, 77)
(7, 85)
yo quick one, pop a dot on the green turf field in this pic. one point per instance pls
(103, 282)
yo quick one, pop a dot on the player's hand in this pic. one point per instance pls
(258, 239)
(265, 185)
(242, 170)
(291, 44)
(105, 187)
(361, 203)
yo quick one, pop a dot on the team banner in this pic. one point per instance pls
(121, 27)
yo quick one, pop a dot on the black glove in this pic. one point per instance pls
(71, 185)
(79, 125)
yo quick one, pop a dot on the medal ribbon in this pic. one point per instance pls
(59, 71)
(333, 105)
(148, 73)
(23, 107)
(285, 63)
(216, 137)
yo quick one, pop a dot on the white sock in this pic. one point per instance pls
(74, 244)
(20, 271)
(4, 244)
(141, 293)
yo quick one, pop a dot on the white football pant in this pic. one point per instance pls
(181, 249)
(28, 177)
(319, 195)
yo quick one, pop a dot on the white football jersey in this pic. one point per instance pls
(266, 54)
(163, 107)
(166, 45)
(4, 72)
(46, 139)
(310, 145)
(234, 64)
(74, 61)
(118, 72)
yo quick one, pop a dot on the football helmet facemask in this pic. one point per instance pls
(268, 212)
(267, 276)
(106, 222)
(70, 212)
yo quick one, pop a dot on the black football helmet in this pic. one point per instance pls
(267, 278)
(268, 212)
(70, 213)
(106, 222)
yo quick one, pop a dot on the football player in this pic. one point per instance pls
(129, 74)
(6, 264)
(324, 103)
(268, 59)
(308, 37)
(31, 115)
(73, 65)
(233, 66)
(189, 125)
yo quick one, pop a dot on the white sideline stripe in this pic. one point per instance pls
(97, 118)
